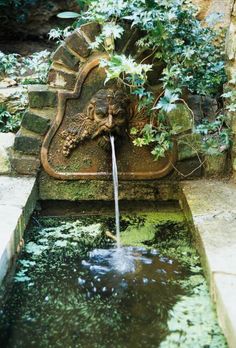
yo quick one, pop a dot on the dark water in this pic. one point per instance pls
(69, 293)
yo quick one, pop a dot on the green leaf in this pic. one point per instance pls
(68, 15)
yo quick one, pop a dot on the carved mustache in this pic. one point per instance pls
(105, 129)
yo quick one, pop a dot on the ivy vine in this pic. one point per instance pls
(191, 56)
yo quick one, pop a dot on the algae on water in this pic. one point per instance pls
(58, 300)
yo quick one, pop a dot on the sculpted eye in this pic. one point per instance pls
(120, 114)
(101, 113)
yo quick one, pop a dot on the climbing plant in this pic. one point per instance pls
(171, 34)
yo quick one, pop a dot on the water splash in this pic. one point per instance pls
(116, 192)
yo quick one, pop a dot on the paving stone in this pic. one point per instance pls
(41, 96)
(217, 235)
(14, 191)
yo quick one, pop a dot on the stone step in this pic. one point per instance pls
(28, 142)
(24, 164)
(38, 121)
(41, 96)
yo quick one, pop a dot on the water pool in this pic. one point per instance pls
(70, 289)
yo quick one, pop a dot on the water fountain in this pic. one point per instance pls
(76, 166)
(116, 192)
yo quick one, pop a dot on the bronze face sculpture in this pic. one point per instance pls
(107, 113)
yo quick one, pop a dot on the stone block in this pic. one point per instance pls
(90, 190)
(215, 165)
(24, 164)
(35, 123)
(64, 57)
(230, 44)
(6, 141)
(188, 146)
(17, 202)
(224, 293)
(41, 96)
(234, 164)
(27, 142)
(90, 31)
(233, 122)
(61, 79)
(77, 43)
(9, 220)
(180, 119)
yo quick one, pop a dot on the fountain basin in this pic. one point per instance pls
(69, 290)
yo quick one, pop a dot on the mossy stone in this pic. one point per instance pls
(180, 119)
(89, 190)
(24, 164)
(215, 165)
(27, 142)
(64, 57)
(188, 146)
(35, 123)
(41, 96)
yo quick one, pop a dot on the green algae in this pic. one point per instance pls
(143, 227)
(48, 269)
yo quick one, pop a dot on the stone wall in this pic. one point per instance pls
(231, 72)
(208, 7)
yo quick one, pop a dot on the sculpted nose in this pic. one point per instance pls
(109, 121)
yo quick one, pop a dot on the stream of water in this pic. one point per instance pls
(116, 192)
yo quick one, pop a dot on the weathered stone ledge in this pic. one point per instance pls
(210, 208)
(18, 197)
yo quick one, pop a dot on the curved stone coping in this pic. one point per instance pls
(210, 206)
(18, 196)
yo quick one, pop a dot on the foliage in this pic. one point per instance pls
(170, 33)
(60, 34)
(27, 70)
(8, 64)
(9, 122)
(216, 136)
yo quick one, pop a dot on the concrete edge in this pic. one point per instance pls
(220, 290)
(12, 237)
